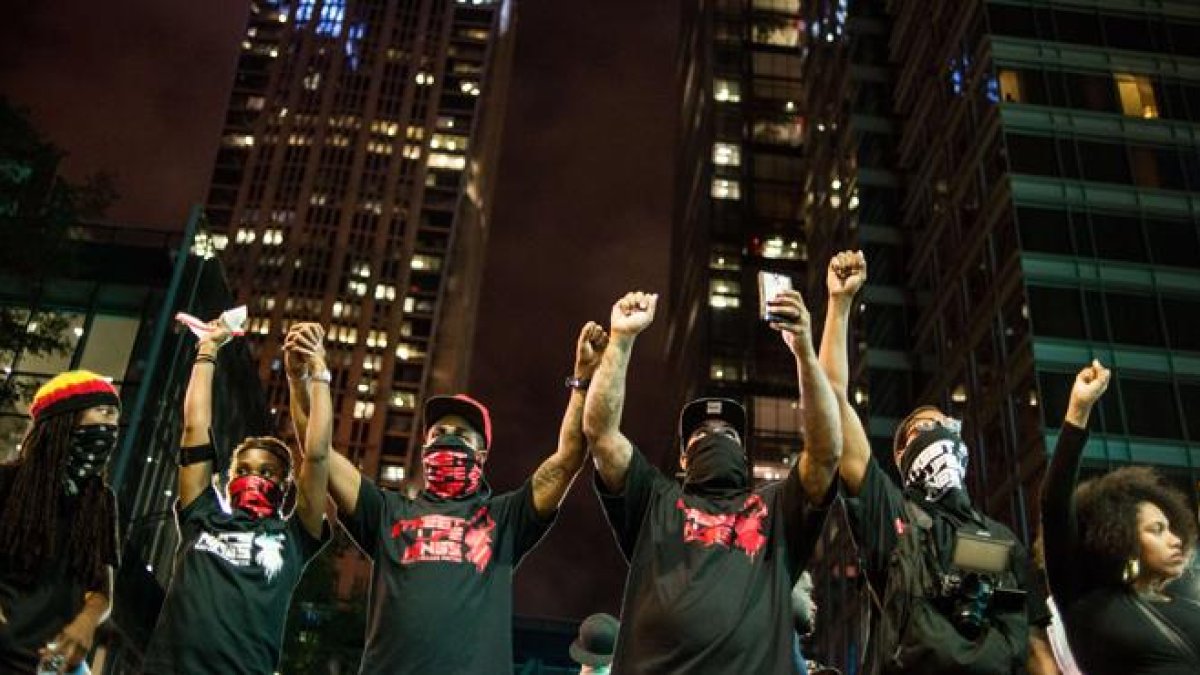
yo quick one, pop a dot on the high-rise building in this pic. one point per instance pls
(1047, 155)
(1053, 167)
(737, 213)
(353, 187)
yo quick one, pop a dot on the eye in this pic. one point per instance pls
(241, 471)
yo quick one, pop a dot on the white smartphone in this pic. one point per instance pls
(770, 285)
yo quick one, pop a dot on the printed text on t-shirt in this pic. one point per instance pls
(441, 538)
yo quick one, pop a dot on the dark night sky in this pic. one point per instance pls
(582, 212)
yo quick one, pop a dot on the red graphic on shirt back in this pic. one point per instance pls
(440, 538)
(742, 530)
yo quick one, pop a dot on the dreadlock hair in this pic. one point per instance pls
(1107, 507)
(30, 515)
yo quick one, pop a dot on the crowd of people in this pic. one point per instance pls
(717, 579)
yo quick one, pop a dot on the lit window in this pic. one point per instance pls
(728, 261)
(405, 400)
(409, 352)
(426, 262)
(724, 294)
(255, 103)
(448, 142)
(391, 473)
(363, 410)
(239, 140)
(1137, 95)
(387, 127)
(725, 188)
(726, 370)
(385, 292)
(424, 79)
(412, 151)
(441, 160)
(1010, 86)
(727, 91)
(727, 154)
(469, 87)
(414, 133)
(245, 236)
(780, 249)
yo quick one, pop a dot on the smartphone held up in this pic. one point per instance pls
(771, 284)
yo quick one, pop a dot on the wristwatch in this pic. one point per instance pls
(577, 383)
(323, 376)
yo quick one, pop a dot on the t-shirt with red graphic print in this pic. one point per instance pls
(710, 581)
(441, 587)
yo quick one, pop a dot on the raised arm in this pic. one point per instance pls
(819, 408)
(196, 476)
(846, 275)
(554, 477)
(313, 479)
(343, 477)
(1060, 529)
(611, 451)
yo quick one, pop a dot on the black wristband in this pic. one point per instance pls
(577, 383)
(196, 454)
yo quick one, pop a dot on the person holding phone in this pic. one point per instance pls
(712, 561)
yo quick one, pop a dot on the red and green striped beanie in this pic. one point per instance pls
(72, 391)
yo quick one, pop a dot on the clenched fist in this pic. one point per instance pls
(633, 313)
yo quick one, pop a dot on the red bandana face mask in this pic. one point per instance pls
(255, 495)
(451, 470)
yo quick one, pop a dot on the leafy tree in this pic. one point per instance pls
(38, 208)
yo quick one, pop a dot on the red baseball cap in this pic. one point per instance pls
(475, 413)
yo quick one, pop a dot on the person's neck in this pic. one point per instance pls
(1151, 588)
(595, 670)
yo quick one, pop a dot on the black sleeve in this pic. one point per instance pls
(309, 545)
(522, 519)
(802, 520)
(627, 510)
(880, 507)
(1060, 531)
(364, 524)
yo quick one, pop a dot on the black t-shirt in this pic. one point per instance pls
(879, 512)
(37, 606)
(1111, 629)
(441, 587)
(710, 581)
(230, 590)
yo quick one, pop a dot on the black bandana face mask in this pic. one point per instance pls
(91, 446)
(716, 467)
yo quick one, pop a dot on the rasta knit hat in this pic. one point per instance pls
(72, 391)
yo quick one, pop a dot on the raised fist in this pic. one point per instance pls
(1090, 384)
(847, 273)
(588, 349)
(633, 313)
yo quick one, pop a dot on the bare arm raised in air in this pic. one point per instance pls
(555, 475)
(611, 450)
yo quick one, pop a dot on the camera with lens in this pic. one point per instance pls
(973, 586)
(969, 597)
